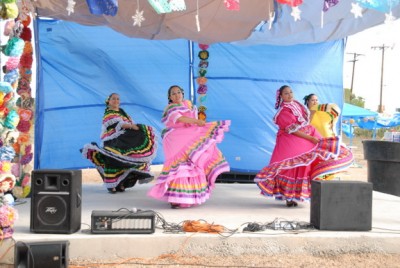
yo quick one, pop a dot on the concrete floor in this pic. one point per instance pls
(233, 206)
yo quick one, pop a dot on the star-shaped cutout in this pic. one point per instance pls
(296, 13)
(356, 10)
(389, 18)
(70, 7)
(271, 19)
(138, 18)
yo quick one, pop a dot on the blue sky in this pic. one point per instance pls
(367, 74)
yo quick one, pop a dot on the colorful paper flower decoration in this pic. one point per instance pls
(328, 4)
(232, 5)
(384, 6)
(160, 6)
(177, 5)
(100, 7)
(202, 80)
(202, 113)
(292, 3)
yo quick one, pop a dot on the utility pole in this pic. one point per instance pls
(355, 58)
(382, 48)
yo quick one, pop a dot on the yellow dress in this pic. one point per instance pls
(325, 119)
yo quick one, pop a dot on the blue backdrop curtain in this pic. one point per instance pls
(79, 66)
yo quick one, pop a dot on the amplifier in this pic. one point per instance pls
(123, 222)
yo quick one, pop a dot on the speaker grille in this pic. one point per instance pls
(52, 210)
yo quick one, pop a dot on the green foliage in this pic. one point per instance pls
(353, 99)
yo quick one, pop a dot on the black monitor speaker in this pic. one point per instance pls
(48, 254)
(56, 201)
(341, 205)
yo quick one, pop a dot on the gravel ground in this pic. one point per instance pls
(342, 260)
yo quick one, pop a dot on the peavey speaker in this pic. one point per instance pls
(48, 254)
(341, 205)
(56, 201)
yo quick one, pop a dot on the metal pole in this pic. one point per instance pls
(355, 56)
(381, 93)
(383, 47)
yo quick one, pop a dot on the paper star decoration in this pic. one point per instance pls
(389, 18)
(70, 7)
(138, 18)
(356, 10)
(271, 19)
(296, 13)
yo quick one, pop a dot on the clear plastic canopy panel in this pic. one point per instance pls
(80, 66)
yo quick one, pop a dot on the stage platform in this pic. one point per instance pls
(232, 205)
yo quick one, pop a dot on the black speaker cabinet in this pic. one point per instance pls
(341, 205)
(56, 197)
(49, 254)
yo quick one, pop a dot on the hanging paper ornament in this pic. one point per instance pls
(25, 159)
(26, 34)
(177, 5)
(202, 80)
(202, 113)
(26, 60)
(292, 3)
(12, 63)
(203, 46)
(356, 9)
(203, 98)
(9, 10)
(160, 6)
(26, 21)
(25, 114)
(202, 72)
(232, 5)
(28, 49)
(203, 54)
(138, 18)
(203, 64)
(23, 138)
(197, 17)
(23, 126)
(8, 27)
(328, 4)
(7, 182)
(11, 76)
(9, 96)
(14, 47)
(5, 87)
(11, 120)
(296, 13)
(7, 153)
(389, 18)
(100, 7)
(384, 6)
(202, 89)
(70, 6)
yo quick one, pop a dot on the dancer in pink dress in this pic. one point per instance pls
(192, 159)
(300, 154)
